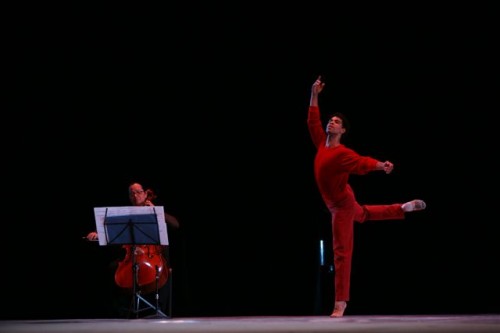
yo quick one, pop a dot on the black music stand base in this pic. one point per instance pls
(159, 314)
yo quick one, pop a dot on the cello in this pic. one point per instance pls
(151, 265)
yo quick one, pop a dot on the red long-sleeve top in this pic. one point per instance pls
(333, 165)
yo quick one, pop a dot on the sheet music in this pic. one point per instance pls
(102, 212)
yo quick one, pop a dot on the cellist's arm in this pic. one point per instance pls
(171, 220)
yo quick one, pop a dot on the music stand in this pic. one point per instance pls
(133, 225)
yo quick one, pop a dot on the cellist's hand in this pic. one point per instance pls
(148, 203)
(92, 236)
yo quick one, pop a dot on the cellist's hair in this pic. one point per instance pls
(144, 187)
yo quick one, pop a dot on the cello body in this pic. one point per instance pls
(151, 266)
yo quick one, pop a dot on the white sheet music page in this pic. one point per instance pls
(102, 212)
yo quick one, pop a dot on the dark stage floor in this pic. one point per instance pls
(402, 323)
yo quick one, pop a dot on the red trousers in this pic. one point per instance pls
(344, 214)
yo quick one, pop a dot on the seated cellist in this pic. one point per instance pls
(152, 259)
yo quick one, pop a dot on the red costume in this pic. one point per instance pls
(332, 167)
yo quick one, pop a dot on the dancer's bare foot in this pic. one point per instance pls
(338, 309)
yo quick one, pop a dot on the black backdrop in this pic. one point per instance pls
(207, 106)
